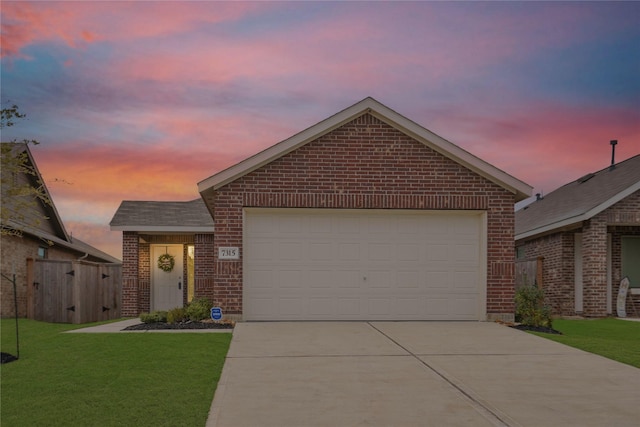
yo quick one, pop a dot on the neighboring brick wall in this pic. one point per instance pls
(558, 270)
(370, 165)
(559, 266)
(594, 266)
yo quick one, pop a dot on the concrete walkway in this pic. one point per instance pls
(416, 374)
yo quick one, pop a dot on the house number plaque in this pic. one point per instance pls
(228, 252)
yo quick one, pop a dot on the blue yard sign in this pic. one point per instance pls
(216, 313)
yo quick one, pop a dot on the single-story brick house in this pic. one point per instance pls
(32, 230)
(363, 216)
(588, 233)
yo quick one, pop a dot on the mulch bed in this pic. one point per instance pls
(182, 325)
(536, 329)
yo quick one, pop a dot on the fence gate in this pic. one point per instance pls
(75, 291)
(529, 272)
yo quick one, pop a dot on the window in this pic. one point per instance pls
(631, 259)
(42, 252)
(190, 272)
(520, 252)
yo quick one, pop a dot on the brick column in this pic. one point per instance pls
(594, 267)
(130, 274)
(204, 267)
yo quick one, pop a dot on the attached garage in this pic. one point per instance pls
(328, 264)
(363, 216)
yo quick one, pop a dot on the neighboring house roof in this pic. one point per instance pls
(54, 222)
(386, 115)
(175, 217)
(51, 230)
(579, 200)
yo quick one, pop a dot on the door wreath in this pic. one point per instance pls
(166, 262)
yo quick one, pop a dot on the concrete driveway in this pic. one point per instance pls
(416, 374)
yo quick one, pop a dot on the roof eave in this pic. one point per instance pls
(162, 229)
(56, 218)
(582, 217)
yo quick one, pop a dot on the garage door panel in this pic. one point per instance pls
(320, 279)
(408, 307)
(347, 278)
(437, 308)
(346, 225)
(348, 251)
(261, 278)
(321, 306)
(290, 251)
(409, 279)
(362, 265)
(321, 251)
(379, 279)
(291, 279)
(379, 307)
(465, 281)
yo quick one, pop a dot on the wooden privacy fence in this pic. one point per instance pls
(73, 291)
(529, 272)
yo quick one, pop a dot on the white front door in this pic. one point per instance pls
(167, 286)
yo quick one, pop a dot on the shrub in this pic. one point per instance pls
(530, 308)
(154, 317)
(176, 315)
(198, 309)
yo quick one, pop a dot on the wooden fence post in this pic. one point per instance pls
(539, 268)
(30, 285)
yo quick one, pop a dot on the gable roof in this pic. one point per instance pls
(579, 200)
(386, 115)
(60, 237)
(163, 217)
(48, 209)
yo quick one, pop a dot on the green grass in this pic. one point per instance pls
(612, 338)
(137, 379)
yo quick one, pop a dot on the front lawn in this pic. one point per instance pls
(612, 338)
(114, 379)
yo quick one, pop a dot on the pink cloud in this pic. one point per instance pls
(76, 23)
(548, 145)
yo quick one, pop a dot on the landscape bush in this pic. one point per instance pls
(176, 315)
(154, 317)
(198, 309)
(530, 307)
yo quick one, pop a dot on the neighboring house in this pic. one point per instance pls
(363, 216)
(588, 233)
(43, 236)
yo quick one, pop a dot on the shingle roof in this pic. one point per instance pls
(191, 216)
(579, 200)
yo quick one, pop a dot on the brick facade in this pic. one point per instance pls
(365, 164)
(619, 220)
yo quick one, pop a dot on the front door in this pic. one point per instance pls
(167, 279)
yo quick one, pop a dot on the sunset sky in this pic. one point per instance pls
(142, 100)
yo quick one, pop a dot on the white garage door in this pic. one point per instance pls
(322, 264)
